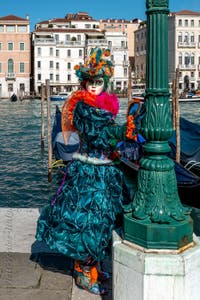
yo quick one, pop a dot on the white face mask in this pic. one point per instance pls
(95, 86)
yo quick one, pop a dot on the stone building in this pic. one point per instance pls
(15, 56)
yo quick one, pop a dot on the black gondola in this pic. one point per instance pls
(128, 155)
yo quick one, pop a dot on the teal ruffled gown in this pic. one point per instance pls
(80, 223)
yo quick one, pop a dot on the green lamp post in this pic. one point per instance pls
(157, 218)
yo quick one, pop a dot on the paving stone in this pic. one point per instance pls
(34, 294)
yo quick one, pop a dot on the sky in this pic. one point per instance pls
(40, 10)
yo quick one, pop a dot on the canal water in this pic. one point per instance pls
(24, 166)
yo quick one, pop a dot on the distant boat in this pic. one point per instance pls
(60, 97)
(13, 98)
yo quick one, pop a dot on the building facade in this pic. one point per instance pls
(59, 44)
(15, 56)
(184, 49)
(183, 52)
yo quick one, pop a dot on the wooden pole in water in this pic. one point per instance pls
(177, 123)
(174, 104)
(129, 85)
(42, 114)
(49, 131)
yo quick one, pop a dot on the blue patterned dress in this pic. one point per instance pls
(80, 222)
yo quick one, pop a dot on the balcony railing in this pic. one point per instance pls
(10, 76)
(187, 67)
(186, 44)
(101, 42)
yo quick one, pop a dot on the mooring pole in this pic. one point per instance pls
(177, 118)
(158, 219)
(42, 115)
(49, 131)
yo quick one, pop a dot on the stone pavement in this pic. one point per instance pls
(28, 269)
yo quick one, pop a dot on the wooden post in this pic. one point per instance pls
(174, 104)
(129, 85)
(42, 114)
(177, 123)
(49, 131)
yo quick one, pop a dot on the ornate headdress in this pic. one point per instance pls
(97, 65)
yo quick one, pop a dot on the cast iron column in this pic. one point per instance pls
(158, 219)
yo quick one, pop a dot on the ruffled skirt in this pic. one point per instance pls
(80, 222)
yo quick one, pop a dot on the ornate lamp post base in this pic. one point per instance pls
(158, 236)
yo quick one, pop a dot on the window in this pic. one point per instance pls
(192, 74)
(67, 37)
(10, 66)
(10, 28)
(51, 51)
(57, 65)
(0, 46)
(39, 77)
(39, 51)
(68, 65)
(1, 28)
(69, 77)
(192, 59)
(125, 72)
(186, 23)
(186, 37)
(21, 46)
(180, 59)
(192, 23)
(57, 37)
(122, 43)
(199, 74)
(10, 87)
(22, 87)
(57, 77)
(109, 44)
(80, 53)
(78, 37)
(39, 64)
(57, 53)
(51, 64)
(21, 67)
(179, 22)
(22, 28)
(87, 26)
(199, 23)
(180, 37)
(68, 52)
(10, 46)
(192, 37)
(51, 77)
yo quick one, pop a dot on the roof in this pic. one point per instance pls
(74, 30)
(12, 18)
(187, 13)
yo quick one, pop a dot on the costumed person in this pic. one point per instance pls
(80, 219)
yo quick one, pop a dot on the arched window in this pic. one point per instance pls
(192, 37)
(180, 37)
(186, 37)
(10, 66)
(180, 58)
(192, 59)
(187, 59)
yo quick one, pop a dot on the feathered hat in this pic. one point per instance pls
(97, 65)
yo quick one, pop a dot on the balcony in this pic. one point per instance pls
(10, 76)
(187, 67)
(186, 44)
(100, 42)
(44, 41)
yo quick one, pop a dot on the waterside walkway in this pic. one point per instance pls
(28, 269)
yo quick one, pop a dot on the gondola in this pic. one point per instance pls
(128, 155)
